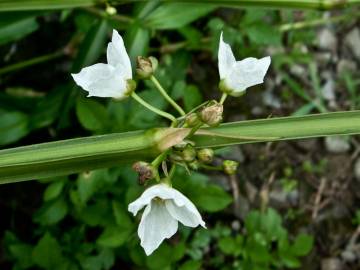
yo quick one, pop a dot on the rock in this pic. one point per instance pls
(298, 70)
(328, 90)
(357, 169)
(327, 40)
(345, 65)
(349, 256)
(337, 144)
(331, 264)
(352, 41)
(271, 100)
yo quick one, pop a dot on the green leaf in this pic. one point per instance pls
(10, 5)
(137, 38)
(113, 236)
(161, 258)
(22, 253)
(47, 253)
(91, 114)
(191, 265)
(52, 212)
(192, 97)
(90, 182)
(211, 198)
(121, 216)
(92, 46)
(302, 245)
(53, 190)
(15, 25)
(264, 34)
(175, 15)
(13, 126)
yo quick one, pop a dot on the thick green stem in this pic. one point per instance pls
(166, 96)
(31, 62)
(152, 108)
(82, 154)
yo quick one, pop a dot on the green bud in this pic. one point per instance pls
(145, 171)
(188, 154)
(111, 10)
(192, 120)
(230, 166)
(212, 114)
(146, 66)
(194, 165)
(205, 155)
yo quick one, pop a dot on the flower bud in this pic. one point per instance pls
(212, 114)
(188, 154)
(146, 66)
(110, 10)
(194, 165)
(205, 155)
(145, 171)
(192, 120)
(230, 166)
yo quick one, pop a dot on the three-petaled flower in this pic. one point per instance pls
(165, 206)
(113, 79)
(236, 76)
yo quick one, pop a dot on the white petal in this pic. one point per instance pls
(160, 190)
(155, 226)
(225, 57)
(187, 214)
(246, 73)
(117, 55)
(101, 80)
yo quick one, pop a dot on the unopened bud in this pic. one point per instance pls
(230, 166)
(111, 10)
(146, 66)
(192, 120)
(188, 154)
(145, 171)
(194, 165)
(212, 114)
(205, 155)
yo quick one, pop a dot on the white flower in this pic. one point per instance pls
(165, 206)
(108, 80)
(236, 76)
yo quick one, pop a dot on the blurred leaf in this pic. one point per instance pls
(10, 5)
(211, 198)
(104, 260)
(92, 46)
(161, 258)
(90, 182)
(47, 253)
(191, 265)
(231, 245)
(13, 126)
(16, 25)
(91, 114)
(264, 34)
(192, 97)
(137, 39)
(53, 190)
(51, 212)
(175, 15)
(121, 216)
(302, 245)
(22, 253)
(113, 236)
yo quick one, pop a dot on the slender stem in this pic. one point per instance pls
(223, 98)
(152, 108)
(156, 163)
(194, 129)
(31, 62)
(211, 168)
(166, 96)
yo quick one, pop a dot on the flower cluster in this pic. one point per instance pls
(164, 205)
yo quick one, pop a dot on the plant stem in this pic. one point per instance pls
(223, 98)
(31, 62)
(194, 129)
(152, 108)
(166, 96)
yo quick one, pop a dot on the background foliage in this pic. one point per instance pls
(81, 221)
